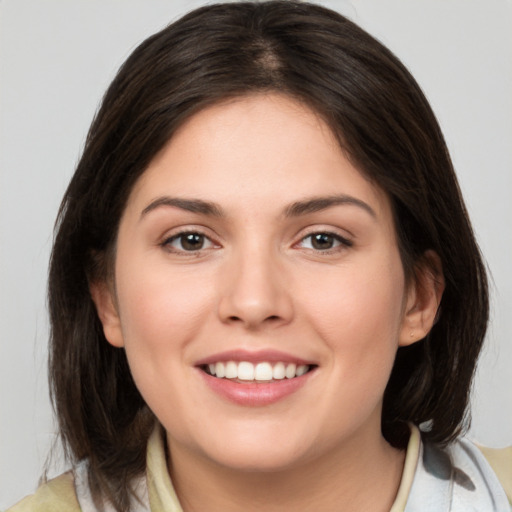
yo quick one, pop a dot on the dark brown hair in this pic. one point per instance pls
(382, 121)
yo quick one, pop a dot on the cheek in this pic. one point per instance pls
(359, 315)
(364, 299)
(161, 315)
(160, 310)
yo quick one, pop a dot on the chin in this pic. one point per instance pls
(260, 451)
(258, 460)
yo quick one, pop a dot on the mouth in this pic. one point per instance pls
(263, 372)
(256, 378)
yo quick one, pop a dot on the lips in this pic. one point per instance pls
(255, 378)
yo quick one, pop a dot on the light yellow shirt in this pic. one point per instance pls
(59, 495)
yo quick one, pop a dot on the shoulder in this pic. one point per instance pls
(500, 460)
(56, 495)
(468, 459)
(456, 478)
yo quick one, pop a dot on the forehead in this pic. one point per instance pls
(265, 149)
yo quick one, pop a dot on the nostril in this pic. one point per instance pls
(271, 318)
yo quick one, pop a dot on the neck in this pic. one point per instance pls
(360, 476)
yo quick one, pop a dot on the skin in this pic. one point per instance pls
(260, 283)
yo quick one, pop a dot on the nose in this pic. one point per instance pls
(255, 291)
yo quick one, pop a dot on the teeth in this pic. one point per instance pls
(245, 371)
(263, 371)
(278, 372)
(301, 370)
(220, 370)
(290, 371)
(231, 370)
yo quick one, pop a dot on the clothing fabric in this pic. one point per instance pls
(456, 479)
(453, 479)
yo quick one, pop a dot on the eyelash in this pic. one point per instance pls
(340, 243)
(167, 243)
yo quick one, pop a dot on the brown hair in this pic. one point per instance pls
(385, 125)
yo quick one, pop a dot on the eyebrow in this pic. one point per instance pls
(296, 209)
(316, 204)
(189, 205)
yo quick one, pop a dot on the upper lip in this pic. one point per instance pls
(257, 356)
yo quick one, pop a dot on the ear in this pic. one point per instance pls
(106, 308)
(423, 299)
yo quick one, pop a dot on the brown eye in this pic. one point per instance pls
(188, 242)
(192, 241)
(323, 241)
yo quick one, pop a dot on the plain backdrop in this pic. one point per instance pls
(57, 58)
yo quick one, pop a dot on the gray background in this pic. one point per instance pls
(57, 58)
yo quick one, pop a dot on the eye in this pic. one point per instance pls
(324, 241)
(188, 242)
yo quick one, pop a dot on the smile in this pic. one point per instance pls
(255, 378)
(256, 372)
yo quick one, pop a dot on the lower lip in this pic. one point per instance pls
(254, 394)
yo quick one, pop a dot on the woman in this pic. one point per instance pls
(264, 281)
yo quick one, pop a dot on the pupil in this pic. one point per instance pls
(192, 241)
(322, 241)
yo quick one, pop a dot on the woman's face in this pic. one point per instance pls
(251, 246)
